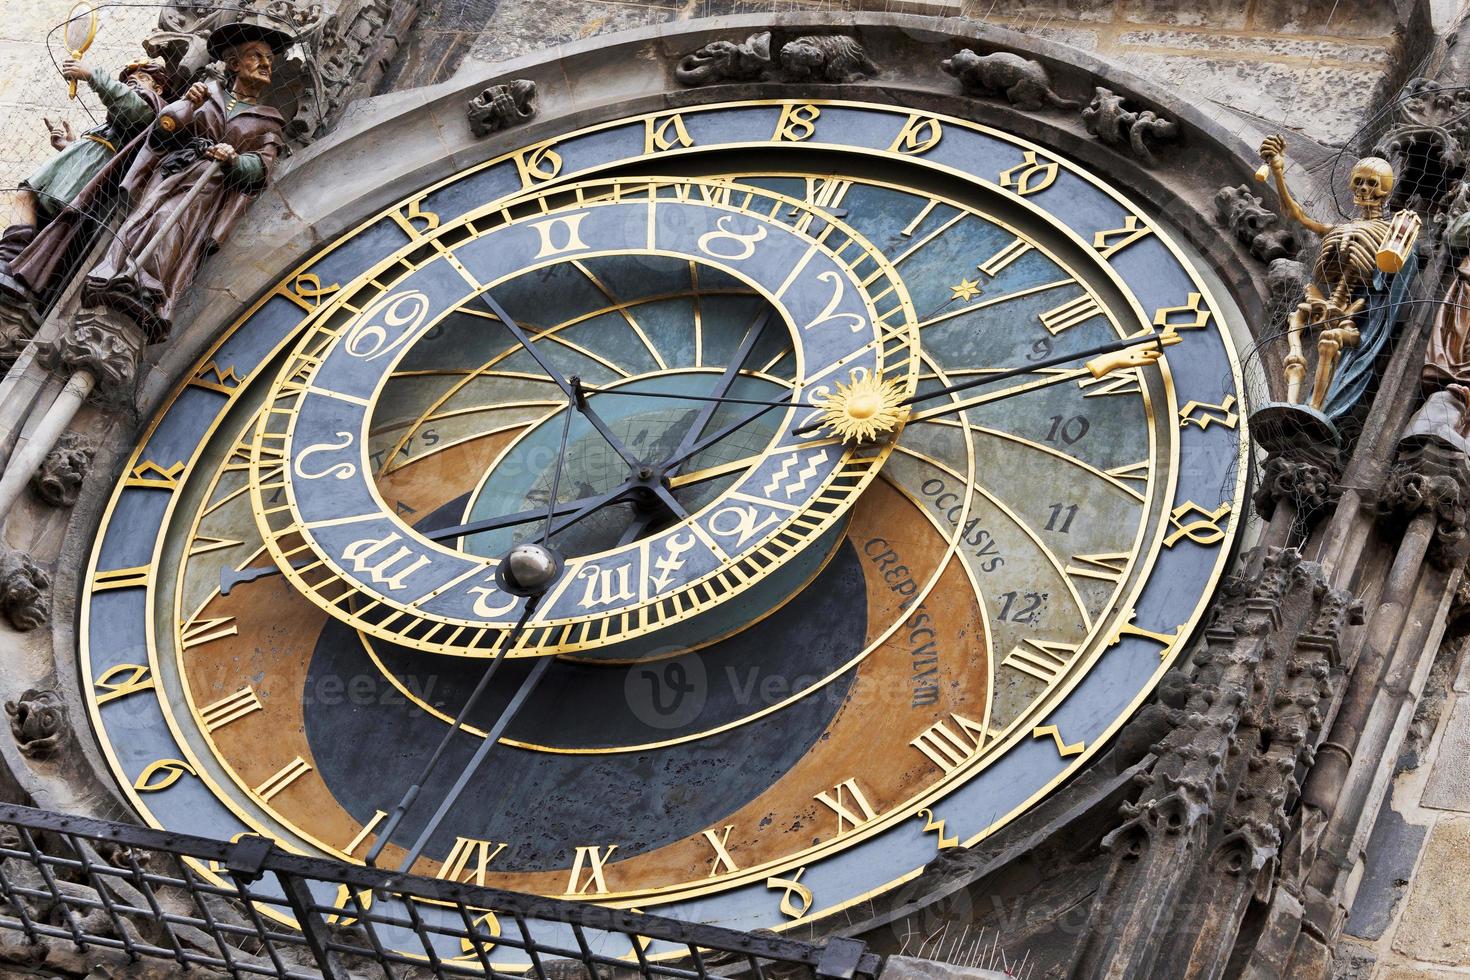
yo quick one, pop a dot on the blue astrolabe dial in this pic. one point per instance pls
(838, 299)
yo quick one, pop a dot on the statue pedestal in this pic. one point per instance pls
(1296, 431)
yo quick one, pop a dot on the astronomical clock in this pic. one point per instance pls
(717, 512)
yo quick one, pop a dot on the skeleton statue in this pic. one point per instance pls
(1345, 267)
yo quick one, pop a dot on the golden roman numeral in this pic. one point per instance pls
(1116, 239)
(289, 773)
(593, 858)
(723, 860)
(996, 263)
(204, 543)
(378, 817)
(1117, 383)
(924, 212)
(1227, 417)
(456, 866)
(665, 134)
(947, 749)
(116, 685)
(1205, 530)
(1042, 659)
(230, 708)
(1163, 316)
(918, 135)
(1132, 471)
(1063, 749)
(199, 631)
(845, 792)
(1070, 313)
(1030, 176)
(1109, 567)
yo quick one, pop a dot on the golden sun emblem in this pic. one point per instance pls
(862, 409)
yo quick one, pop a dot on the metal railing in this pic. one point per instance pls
(249, 908)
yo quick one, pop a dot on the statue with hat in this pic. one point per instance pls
(76, 188)
(206, 157)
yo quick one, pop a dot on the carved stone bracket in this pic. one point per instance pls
(18, 324)
(104, 343)
(1431, 477)
(60, 477)
(1022, 82)
(501, 106)
(1254, 224)
(1310, 485)
(39, 722)
(831, 58)
(1109, 118)
(25, 591)
(1427, 142)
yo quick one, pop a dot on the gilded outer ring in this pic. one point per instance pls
(1076, 762)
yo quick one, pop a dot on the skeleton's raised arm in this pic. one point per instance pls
(1273, 151)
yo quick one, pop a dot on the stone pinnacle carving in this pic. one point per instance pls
(1022, 82)
(39, 723)
(1254, 224)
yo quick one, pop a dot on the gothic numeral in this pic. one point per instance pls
(1204, 530)
(918, 135)
(1201, 414)
(1173, 317)
(1063, 749)
(1115, 239)
(155, 477)
(1030, 176)
(121, 680)
(538, 164)
(797, 123)
(665, 134)
(796, 898)
(161, 775)
(415, 221)
(933, 825)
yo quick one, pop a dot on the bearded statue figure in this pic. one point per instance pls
(1352, 253)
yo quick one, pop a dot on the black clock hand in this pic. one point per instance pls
(722, 388)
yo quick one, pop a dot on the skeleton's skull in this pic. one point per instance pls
(1371, 182)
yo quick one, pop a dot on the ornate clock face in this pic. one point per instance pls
(779, 670)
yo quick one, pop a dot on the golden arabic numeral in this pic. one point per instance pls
(723, 863)
(469, 860)
(918, 135)
(933, 825)
(566, 227)
(1114, 240)
(538, 164)
(792, 888)
(1030, 176)
(797, 123)
(842, 798)
(1193, 316)
(488, 922)
(592, 858)
(410, 217)
(1226, 416)
(665, 134)
(162, 774)
(306, 290)
(1205, 530)
(121, 680)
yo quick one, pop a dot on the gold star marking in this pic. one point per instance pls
(967, 290)
(862, 410)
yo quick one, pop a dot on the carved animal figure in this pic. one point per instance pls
(726, 61)
(1023, 82)
(826, 58)
(501, 106)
